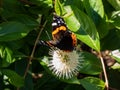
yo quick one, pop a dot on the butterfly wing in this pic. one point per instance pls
(63, 38)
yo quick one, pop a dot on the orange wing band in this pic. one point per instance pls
(74, 39)
(61, 28)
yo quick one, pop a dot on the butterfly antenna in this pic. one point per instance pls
(48, 35)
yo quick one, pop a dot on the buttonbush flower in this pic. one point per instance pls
(65, 64)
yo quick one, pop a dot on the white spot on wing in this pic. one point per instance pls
(58, 21)
(54, 24)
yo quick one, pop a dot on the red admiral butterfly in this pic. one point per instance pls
(63, 38)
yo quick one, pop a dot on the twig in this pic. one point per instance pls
(104, 72)
(32, 54)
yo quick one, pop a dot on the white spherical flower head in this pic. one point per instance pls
(65, 64)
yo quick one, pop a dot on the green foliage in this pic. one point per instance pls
(116, 55)
(6, 56)
(96, 24)
(115, 4)
(14, 78)
(58, 8)
(94, 9)
(116, 19)
(12, 31)
(91, 83)
(92, 64)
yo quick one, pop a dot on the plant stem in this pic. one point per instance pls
(104, 72)
(32, 53)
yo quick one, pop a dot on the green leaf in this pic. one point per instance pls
(40, 7)
(11, 7)
(115, 54)
(30, 22)
(94, 9)
(6, 56)
(12, 31)
(59, 8)
(103, 27)
(91, 65)
(111, 41)
(72, 80)
(16, 43)
(92, 83)
(77, 3)
(42, 2)
(116, 66)
(83, 27)
(14, 78)
(116, 19)
(115, 4)
(74, 87)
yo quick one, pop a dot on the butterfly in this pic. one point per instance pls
(63, 38)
